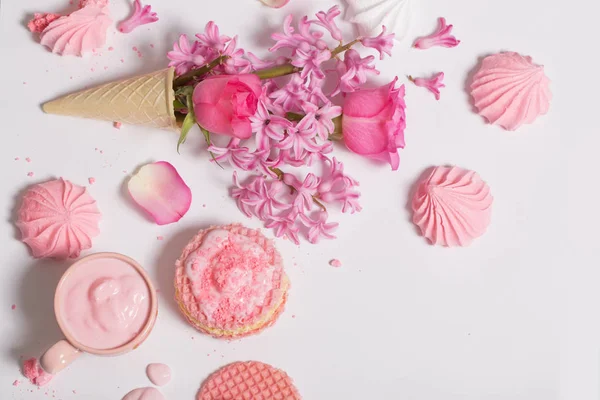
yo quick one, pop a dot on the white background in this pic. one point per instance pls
(513, 316)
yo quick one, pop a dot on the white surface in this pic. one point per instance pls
(514, 316)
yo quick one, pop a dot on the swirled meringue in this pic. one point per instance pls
(58, 219)
(510, 90)
(371, 15)
(452, 206)
(79, 32)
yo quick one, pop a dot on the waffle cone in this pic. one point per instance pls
(143, 100)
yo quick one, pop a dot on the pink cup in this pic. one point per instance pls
(66, 350)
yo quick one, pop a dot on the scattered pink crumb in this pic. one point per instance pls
(105, 67)
(192, 338)
(24, 83)
(111, 48)
(95, 149)
(160, 238)
(17, 158)
(74, 392)
(92, 69)
(70, 77)
(124, 171)
(101, 151)
(293, 315)
(122, 60)
(139, 54)
(335, 263)
(35, 373)
(204, 205)
(134, 48)
(30, 174)
(16, 382)
(40, 21)
(28, 159)
(117, 124)
(151, 45)
(14, 306)
(91, 180)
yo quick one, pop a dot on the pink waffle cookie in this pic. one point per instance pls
(230, 282)
(250, 380)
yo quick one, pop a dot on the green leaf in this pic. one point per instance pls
(178, 105)
(207, 138)
(188, 122)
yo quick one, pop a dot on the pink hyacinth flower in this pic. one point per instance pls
(40, 21)
(319, 228)
(441, 37)
(275, 3)
(161, 192)
(184, 56)
(382, 43)
(432, 84)
(141, 16)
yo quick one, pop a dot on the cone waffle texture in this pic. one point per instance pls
(142, 100)
(251, 380)
(188, 304)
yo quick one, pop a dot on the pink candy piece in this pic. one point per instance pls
(41, 20)
(441, 37)
(91, 180)
(35, 373)
(433, 84)
(161, 192)
(335, 263)
(452, 206)
(141, 16)
(275, 3)
(117, 125)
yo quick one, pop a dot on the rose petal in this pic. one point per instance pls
(275, 3)
(160, 191)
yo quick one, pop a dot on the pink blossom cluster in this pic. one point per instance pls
(292, 207)
(208, 46)
(294, 122)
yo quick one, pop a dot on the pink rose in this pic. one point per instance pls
(223, 104)
(373, 122)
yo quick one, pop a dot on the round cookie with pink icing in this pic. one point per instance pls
(230, 281)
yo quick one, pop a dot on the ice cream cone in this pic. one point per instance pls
(143, 100)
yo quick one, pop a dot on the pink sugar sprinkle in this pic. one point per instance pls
(16, 382)
(14, 306)
(92, 180)
(28, 159)
(160, 238)
(30, 174)
(335, 263)
(117, 124)
(35, 373)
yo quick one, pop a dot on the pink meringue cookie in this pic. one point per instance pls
(58, 219)
(452, 206)
(78, 33)
(510, 90)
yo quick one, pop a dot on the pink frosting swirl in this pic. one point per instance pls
(58, 219)
(510, 90)
(452, 206)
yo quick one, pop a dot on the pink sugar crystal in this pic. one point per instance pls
(35, 373)
(40, 21)
(335, 263)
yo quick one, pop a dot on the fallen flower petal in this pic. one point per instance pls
(161, 192)
(141, 16)
(275, 3)
(433, 84)
(441, 37)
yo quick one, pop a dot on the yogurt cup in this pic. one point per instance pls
(105, 304)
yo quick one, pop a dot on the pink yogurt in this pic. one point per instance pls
(105, 303)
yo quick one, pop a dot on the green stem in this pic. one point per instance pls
(287, 69)
(185, 78)
(342, 48)
(274, 72)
